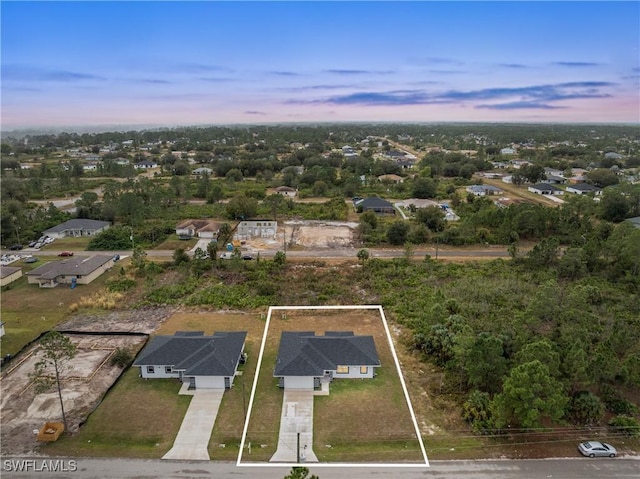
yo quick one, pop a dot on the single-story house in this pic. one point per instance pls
(259, 228)
(286, 191)
(375, 204)
(406, 163)
(584, 189)
(203, 170)
(202, 362)
(483, 190)
(305, 360)
(78, 270)
(76, 228)
(555, 179)
(612, 155)
(507, 151)
(8, 274)
(146, 164)
(545, 189)
(391, 179)
(201, 228)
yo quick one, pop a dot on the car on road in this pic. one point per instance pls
(247, 257)
(15, 247)
(65, 253)
(32, 244)
(597, 448)
(30, 259)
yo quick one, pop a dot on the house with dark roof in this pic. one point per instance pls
(545, 189)
(286, 191)
(584, 189)
(483, 190)
(202, 362)
(375, 204)
(77, 227)
(77, 270)
(305, 360)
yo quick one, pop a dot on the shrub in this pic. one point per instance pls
(121, 357)
(121, 284)
(627, 425)
(585, 408)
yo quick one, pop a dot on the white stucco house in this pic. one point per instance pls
(286, 191)
(305, 360)
(202, 362)
(546, 189)
(584, 189)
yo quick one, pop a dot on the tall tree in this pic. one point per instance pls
(528, 395)
(57, 350)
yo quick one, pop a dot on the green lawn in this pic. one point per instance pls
(137, 418)
(29, 310)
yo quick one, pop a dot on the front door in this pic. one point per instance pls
(192, 382)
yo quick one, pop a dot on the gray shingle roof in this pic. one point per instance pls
(78, 224)
(302, 353)
(374, 202)
(194, 353)
(78, 266)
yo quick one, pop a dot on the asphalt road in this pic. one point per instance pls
(567, 468)
(325, 253)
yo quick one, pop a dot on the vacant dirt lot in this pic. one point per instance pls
(309, 234)
(84, 381)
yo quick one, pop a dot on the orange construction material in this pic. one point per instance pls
(50, 431)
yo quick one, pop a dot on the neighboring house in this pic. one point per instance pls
(201, 228)
(122, 161)
(406, 164)
(391, 179)
(8, 274)
(484, 190)
(517, 164)
(90, 166)
(261, 228)
(612, 155)
(286, 191)
(545, 189)
(77, 227)
(507, 151)
(76, 270)
(202, 362)
(305, 360)
(375, 204)
(144, 165)
(203, 171)
(555, 179)
(584, 189)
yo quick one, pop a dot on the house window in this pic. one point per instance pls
(364, 369)
(167, 369)
(259, 225)
(151, 369)
(342, 370)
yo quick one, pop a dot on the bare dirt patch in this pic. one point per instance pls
(309, 234)
(87, 378)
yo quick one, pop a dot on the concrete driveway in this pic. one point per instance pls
(297, 417)
(193, 437)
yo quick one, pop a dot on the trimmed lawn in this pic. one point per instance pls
(360, 421)
(173, 243)
(137, 418)
(68, 244)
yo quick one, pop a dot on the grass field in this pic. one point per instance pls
(137, 418)
(29, 310)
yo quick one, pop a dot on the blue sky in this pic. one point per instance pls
(189, 63)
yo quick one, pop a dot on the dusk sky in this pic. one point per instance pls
(192, 63)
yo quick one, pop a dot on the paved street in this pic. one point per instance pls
(567, 468)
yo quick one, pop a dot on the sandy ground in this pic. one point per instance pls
(85, 378)
(308, 234)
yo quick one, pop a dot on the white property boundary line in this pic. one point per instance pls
(320, 464)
